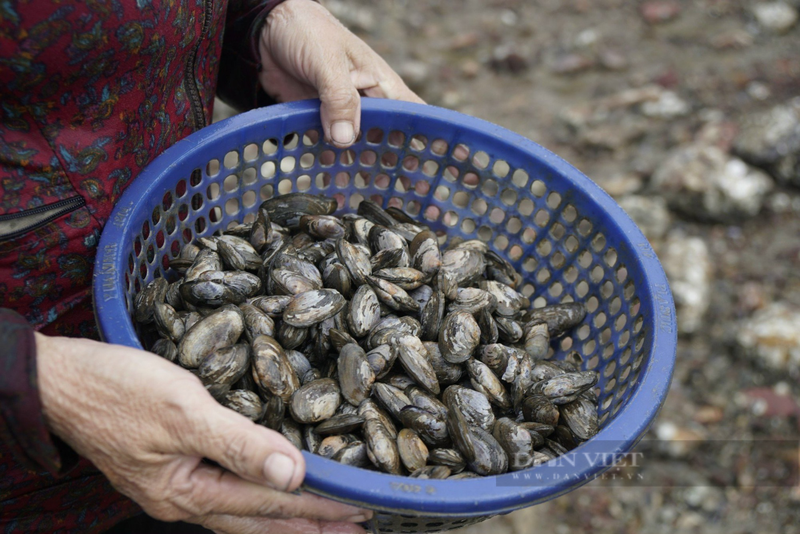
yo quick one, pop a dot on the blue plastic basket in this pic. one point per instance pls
(568, 238)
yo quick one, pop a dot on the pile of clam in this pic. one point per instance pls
(360, 340)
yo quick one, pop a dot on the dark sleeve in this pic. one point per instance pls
(240, 62)
(22, 427)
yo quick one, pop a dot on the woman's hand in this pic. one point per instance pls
(147, 424)
(307, 53)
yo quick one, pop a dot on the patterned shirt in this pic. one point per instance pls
(90, 92)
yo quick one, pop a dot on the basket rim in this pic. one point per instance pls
(392, 493)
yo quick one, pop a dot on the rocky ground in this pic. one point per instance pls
(687, 113)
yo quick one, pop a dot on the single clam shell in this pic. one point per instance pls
(564, 388)
(559, 317)
(431, 428)
(206, 260)
(237, 253)
(381, 359)
(256, 322)
(425, 254)
(472, 300)
(392, 295)
(370, 410)
(459, 336)
(407, 230)
(466, 265)
(580, 416)
(274, 413)
(356, 261)
(387, 258)
(355, 374)
(340, 424)
(490, 458)
(446, 373)
(448, 457)
(400, 216)
(381, 447)
(353, 454)
(486, 382)
(272, 305)
(286, 210)
(382, 238)
(220, 329)
(516, 441)
(432, 316)
(374, 213)
(406, 278)
(336, 277)
(173, 295)
(292, 432)
(422, 294)
(508, 330)
(544, 370)
(539, 409)
(291, 337)
(311, 440)
(331, 445)
(315, 401)
(537, 341)
(225, 365)
(509, 302)
(298, 361)
(413, 451)
(364, 311)
(168, 322)
(166, 349)
(244, 402)
(390, 397)
(143, 304)
(322, 226)
(413, 357)
(473, 404)
(271, 368)
(260, 231)
(488, 326)
(432, 472)
(313, 307)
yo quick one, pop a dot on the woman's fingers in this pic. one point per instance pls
(207, 490)
(253, 452)
(225, 524)
(341, 104)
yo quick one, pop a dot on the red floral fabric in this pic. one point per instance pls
(90, 93)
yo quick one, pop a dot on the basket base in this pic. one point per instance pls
(386, 523)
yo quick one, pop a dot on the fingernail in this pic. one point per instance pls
(359, 518)
(342, 132)
(279, 470)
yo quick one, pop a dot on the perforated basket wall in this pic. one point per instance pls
(462, 177)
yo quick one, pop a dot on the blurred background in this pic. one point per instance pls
(688, 114)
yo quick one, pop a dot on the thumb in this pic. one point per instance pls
(341, 104)
(253, 452)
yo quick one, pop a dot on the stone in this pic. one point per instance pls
(771, 140)
(772, 334)
(508, 59)
(668, 106)
(649, 213)
(686, 261)
(570, 63)
(777, 17)
(612, 59)
(706, 183)
(656, 12)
